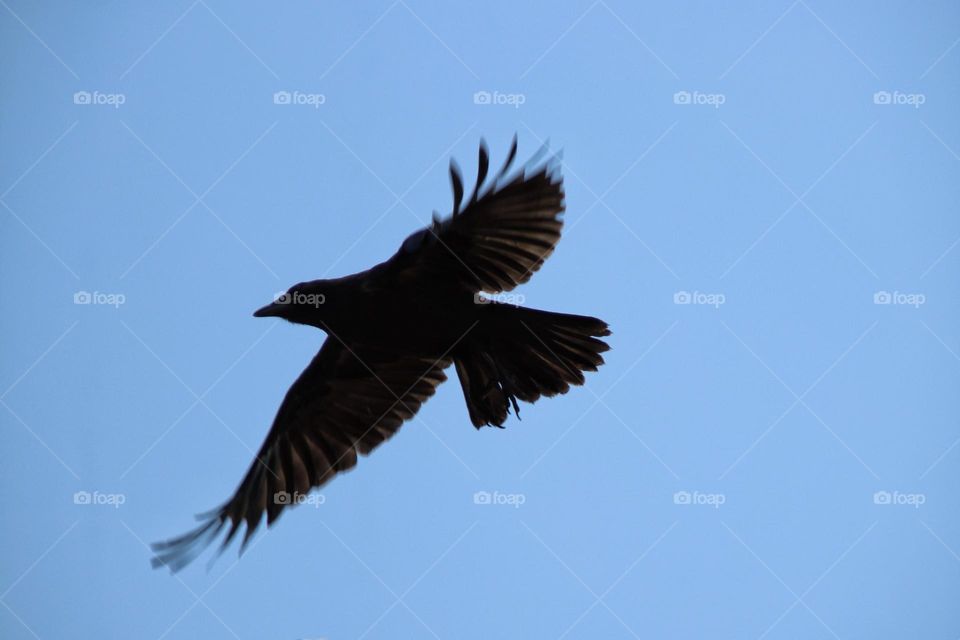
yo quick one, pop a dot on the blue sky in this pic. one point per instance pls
(761, 201)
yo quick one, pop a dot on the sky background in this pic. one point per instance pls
(777, 458)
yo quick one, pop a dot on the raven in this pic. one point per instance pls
(391, 332)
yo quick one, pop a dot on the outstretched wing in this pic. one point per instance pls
(343, 404)
(499, 236)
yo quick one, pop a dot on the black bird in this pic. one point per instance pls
(391, 332)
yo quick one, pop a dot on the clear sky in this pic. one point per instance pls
(762, 201)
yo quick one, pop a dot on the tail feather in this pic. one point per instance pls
(524, 354)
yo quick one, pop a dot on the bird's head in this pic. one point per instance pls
(303, 303)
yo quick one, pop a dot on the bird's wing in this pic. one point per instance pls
(344, 403)
(499, 236)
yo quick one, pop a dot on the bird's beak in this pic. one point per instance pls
(272, 309)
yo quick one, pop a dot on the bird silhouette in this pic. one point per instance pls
(392, 331)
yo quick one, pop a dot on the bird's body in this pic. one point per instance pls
(426, 320)
(393, 330)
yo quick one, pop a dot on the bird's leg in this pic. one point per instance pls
(506, 388)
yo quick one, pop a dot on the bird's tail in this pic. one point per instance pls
(517, 353)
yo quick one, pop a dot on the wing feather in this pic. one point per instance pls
(343, 405)
(503, 234)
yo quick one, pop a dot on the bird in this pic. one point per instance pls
(394, 329)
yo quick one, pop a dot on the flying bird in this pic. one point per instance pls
(392, 331)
